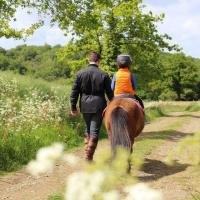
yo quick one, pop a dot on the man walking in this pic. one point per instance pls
(91, 84)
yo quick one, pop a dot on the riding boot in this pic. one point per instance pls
(91, 148)
(86, 142)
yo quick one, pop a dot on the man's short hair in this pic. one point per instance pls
(94, 56)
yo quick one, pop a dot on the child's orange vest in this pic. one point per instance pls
(123, 84)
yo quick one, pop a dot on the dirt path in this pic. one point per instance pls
(21, 186)
(176, 182)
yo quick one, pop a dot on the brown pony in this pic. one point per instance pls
(124, 120)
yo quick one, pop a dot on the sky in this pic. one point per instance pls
(182, 23)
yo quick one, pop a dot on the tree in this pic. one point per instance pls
(4, 63)
(2, 51)
(110, 27)
(7, 13)
(181, 76)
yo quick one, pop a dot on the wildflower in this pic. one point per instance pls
(84, 186)
(112, 195)
(45, 159)
(71, 159)
(142, 192)
(39, 167)
(52, 152)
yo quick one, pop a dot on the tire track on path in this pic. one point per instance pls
(179, 181)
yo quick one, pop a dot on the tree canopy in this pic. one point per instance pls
(8, 9)
(40, 62)
(110, 27)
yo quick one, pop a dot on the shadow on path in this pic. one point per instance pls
(184, 115)
(170, 135)
(155, 169)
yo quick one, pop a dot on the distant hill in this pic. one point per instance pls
(174, 77)
(38, 61)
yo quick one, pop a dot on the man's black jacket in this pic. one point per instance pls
(91, 84)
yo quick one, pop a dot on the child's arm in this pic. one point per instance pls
(113, 82)
(133, 80)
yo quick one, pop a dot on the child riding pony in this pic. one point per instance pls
(124, 116)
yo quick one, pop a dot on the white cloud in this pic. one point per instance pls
(47, 34)
(24, 20)
(182, 22)
(54, 36)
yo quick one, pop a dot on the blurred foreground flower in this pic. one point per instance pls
(71, 159)
(112, 195)
(99, 181)
(84, 186)
(141, 191)
(45, 159)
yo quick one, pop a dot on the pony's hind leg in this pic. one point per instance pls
(129, 161)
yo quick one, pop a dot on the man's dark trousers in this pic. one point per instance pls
(93, 123)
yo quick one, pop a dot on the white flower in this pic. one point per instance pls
(53, 152)
(96, 181)
(38, 167)
(83, 185)
(45, 159)
(142, 192)
(112, 195)
(71, 159)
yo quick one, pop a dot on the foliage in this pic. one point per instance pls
(55, 197)
(181, 74)
(188, 149)
(32, 117)
(109, 27)
(152, 113)
(196, 196)
(34, 113)
(41, 62)
(177, 76)
(164, 107)
(193, 108)
(8, 9)
(19, 148)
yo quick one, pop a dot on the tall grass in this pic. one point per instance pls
(195, 196)
(173, 106)
(61, 87)
(18, 149)
(35, 113)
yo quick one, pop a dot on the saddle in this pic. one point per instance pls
(135, 98)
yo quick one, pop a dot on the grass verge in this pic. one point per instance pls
(56, 197)
(195, 196)
(153, 113)
(26, 82)
(18, 149)
(194, 107)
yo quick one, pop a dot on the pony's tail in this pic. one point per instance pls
(120, 134)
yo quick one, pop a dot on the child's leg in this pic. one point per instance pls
(139, 100)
